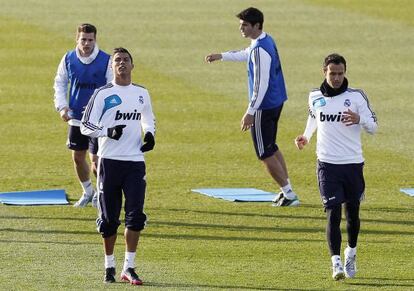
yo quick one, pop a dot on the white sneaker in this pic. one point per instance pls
(338, 271)
(350, 266)
(278, 197)
(95, 199)
(281, 200)
(83, 201)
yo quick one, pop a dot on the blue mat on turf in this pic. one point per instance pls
(45, 197)
(237, 194)
(408, 191)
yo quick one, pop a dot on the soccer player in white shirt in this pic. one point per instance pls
(117, 114)
(339, 113)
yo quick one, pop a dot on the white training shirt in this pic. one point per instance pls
(336, 142)
(62, 80)
(261, 63)
(113, 105)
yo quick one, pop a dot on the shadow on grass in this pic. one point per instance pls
(166, 236)
(381, 282)
(49, 242)
(276, 229)
(225, 287)
(287, 216)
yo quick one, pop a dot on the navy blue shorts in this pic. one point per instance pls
(264, 131)
(115, 177)
(79, 142)
(340, 183)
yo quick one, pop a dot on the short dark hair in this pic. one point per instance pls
(252, 15)
(334, 58)
(86, 28)
(122, 50)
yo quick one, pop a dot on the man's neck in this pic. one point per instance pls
(256, 35)
(123, 80)
(83, 54)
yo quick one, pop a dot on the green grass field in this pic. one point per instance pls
(194, 242)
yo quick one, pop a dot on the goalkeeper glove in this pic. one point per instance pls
(116, 131)
(149, 142)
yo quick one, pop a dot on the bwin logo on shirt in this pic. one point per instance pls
(128, 115)
(330, 117)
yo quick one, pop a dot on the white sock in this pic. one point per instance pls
(129, 261)
(336, 259)
(109, 261)
(288, 192)
(87, 187)
(350, 252)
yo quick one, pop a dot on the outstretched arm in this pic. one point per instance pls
(213, 57)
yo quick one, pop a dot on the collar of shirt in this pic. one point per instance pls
(262, 35)
(91, 58)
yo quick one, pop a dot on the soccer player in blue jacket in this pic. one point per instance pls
(80, 72)
(267, 94)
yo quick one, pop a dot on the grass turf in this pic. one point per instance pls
(194, 242)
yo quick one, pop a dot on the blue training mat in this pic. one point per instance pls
(408, 191)
(237, 194)
(44, 197)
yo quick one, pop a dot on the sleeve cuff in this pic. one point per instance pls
(251, 111)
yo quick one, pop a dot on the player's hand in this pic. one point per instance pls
(301, 141)
(149, 142)
(116, 131)
(247, 122)
(350, 118)
(213, 57)
(64, 114)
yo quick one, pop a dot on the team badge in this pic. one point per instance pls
(320, 102)
(141, 99)
(347, 103)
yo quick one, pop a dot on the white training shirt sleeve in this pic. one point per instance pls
(61, 86)
(91, 120)
(235, 56)
(368, 119)
(311, 124)
(147, 117)
(261, 67)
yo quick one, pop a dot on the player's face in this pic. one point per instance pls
(86, 43)
(246, 29)
(122, 64)
(335, 75)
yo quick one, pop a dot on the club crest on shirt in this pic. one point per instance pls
(320, 102)
(347, 102)
(141, 99)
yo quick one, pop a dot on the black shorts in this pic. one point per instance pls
(340, 183)
(115, 177)
(79, 142)
(264, 131)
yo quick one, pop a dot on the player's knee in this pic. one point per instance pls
(105, 228)
(135, 221)
(79, 157)
(352, 212)
(333, 215)
(267, 153)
